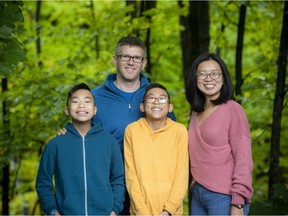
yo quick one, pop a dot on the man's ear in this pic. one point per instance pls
(142, 107)
(66, 111)
(114, 59)
(144, 63)
(171, 107)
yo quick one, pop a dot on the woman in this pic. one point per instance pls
(219, 142)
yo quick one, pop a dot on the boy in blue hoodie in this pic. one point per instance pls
(86, 164)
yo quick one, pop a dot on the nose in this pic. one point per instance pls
(81, 105)
(156, 101)
(208, 75)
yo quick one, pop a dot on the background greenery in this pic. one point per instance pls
(67, 55)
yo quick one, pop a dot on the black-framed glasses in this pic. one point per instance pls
(161, 99)
(202, 75)
(137, 59)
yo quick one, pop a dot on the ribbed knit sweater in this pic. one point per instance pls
(220, 152)
(156, 167)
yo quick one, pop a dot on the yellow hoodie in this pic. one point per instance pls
(156, 167)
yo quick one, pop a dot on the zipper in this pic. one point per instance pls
(129, 106)
(85, 176)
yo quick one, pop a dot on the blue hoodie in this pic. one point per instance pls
(113, 109)
(88, 172)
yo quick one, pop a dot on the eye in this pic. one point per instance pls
(125, 57)
(163, 99)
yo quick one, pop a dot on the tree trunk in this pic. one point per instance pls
(6, 168)
(278, 105)
(148, 5)
(195, 37)
(239, 49)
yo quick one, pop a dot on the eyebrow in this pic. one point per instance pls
(86, 97)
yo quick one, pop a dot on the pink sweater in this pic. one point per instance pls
(220, 152)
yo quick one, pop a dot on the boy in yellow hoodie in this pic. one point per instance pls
(156, 158)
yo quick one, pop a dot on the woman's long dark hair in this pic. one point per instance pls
(195, 97)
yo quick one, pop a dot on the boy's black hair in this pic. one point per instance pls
(76, 88)
(195, 97)
(130, 41)
(155, 85)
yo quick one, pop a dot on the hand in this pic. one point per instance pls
(235, 211)
(164, 213)
(112, 213)
(62, 131)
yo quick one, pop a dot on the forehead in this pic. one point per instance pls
(209, 65)
(157, 91)
(82, 93)
(131, 50)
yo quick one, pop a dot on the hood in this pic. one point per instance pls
(95, 128)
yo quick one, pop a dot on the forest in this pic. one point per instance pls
(48, 46)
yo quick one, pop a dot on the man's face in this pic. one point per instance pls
(129, 70)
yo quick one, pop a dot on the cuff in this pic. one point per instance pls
(238, 199)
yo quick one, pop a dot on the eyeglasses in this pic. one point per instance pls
(137, 59)
(213, 75)
(161, 99)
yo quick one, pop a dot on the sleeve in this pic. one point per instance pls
(117, 178)
(132, 183)
(180, 184)
(240, 141)
(44, 183)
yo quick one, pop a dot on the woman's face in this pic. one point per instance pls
(209, 79)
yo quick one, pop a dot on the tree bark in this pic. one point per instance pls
(278, 105)
(195, 37)
(6, 168)
(239, 49)
(148, 5)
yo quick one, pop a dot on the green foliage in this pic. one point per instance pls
(278, 206)
(75, 48)
(11, 50)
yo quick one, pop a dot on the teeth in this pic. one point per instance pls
(156, 109)
(209, 86)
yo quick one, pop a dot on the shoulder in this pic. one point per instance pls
(97, 89)
(176, 125)
(232, 106)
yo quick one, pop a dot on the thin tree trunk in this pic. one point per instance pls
(6, 168)
(148, 5)
(239, 49)
(278, 105)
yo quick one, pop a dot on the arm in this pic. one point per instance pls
(44, 184)
(132, 182)
(117, 179)
(180, 184)
(240, 141)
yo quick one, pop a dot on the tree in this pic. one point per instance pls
(239, 49)
(11, 53)
(195, 36)
(278, 105)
